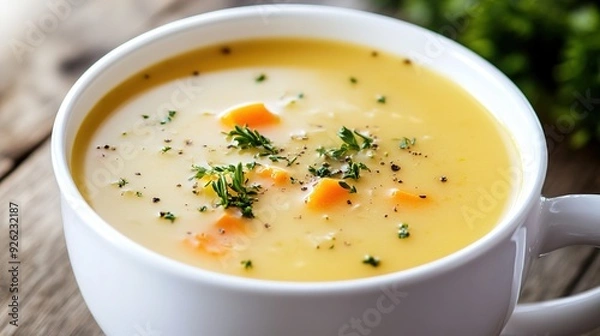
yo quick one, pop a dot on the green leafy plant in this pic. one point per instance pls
(549, 48)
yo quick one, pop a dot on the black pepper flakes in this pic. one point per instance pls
(155, 199)
(422, 196)
(226, 50)
(395, 167)
(443, 179)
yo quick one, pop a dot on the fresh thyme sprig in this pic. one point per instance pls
(231, 186)
(353, 169)
(351, 143)
(246, 138)
(349, 171)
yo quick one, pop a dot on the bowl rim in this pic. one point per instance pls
(73, 198)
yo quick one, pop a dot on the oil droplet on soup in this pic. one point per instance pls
(301, 160)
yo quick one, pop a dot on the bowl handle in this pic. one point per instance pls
(569, 220)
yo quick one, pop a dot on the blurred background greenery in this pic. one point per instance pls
(549, 48)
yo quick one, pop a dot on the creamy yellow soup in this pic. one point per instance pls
(300, 160)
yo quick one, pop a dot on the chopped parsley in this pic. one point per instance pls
(168, 215)
(405, 142)
(381, 99)
(203, 208)
(138, 194)
(247, 264)
(353, 80)
(145, 116)
(260, 78)
(165, 149)
(370, 260)
(122, 182)
(170, 115)
(403, 231)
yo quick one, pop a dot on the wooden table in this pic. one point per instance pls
(34, 81)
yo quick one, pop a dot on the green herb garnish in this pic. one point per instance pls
(165, 149)
(351, 143)
(403, 231)
(145, 116)
(247, 264)
(353, 80)
(261, 78)
(122, 182)
(138, 194)
(405, 142)
(381, 99)
(353, 170)
(370, 260)
(171, 114)
(203, 208)
(168, 215)
(322, 171)
(345, 185)
(246, 138)
(232, 189)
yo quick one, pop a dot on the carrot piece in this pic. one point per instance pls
(230, 224)
(251, 115)
(327, 192)
(406, 198)
(278, 175)
(221, 237)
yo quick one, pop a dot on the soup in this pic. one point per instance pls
(295, 160)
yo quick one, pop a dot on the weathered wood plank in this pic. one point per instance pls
(50, 302)
(590, 279)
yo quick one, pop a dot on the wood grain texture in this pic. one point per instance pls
(50, 300)
(30, 92)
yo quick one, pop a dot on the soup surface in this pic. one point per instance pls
(300, 160)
